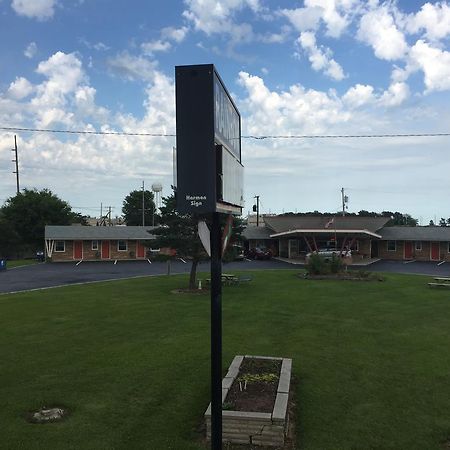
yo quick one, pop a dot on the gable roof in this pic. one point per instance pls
(282, 224)
(416, 234)
(83, 232)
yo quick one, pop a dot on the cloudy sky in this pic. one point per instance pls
(312, 67)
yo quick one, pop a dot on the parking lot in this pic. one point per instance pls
(47, 275)
(41, 276)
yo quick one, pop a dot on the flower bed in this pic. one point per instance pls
(255, 394)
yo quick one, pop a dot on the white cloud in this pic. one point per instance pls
(149, 48)
(132, 67)
(358, 95)
(20, 88)
(31, 50)
(294, 111)
(39, 9)
(175, 34)
(434, 19)
(378, 29)
(396, 94)
(335, 14)
(211, 16)
(320, 58)
(434, 63)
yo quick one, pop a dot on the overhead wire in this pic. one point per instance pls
(255, 137)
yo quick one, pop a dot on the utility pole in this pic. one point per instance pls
(256, 209)
(143, 204)
(17, 163)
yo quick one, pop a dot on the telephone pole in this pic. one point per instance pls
(256, 209)
(143, 204)
(17, 163)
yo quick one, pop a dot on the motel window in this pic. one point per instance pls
(122, 246)
(60, 246)
(94, 245)
(391, 246)
(419, 246)
(356, 246)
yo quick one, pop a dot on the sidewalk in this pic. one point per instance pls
(357, 263)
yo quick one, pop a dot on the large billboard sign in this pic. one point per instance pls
(208, 154)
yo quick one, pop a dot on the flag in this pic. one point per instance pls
(329, 223)
(227, 233)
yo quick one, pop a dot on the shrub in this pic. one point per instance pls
(336, 264)
(317, 265)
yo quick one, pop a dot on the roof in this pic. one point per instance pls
(81, 232)
(281, 224)
(253, 232)
(415, 234)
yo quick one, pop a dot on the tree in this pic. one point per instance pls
(180, 232)
(9, 239)
(132, 208)
(29, 211)
(442, 222)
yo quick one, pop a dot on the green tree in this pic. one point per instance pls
(9, 239)
(180, 232)
(29, 211)
(132, 208)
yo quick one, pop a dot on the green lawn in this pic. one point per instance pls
(131, 361)
(20, 262)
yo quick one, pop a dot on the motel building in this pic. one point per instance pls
(87, 243)
(368, 238)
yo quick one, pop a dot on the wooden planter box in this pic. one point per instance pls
(246, 427)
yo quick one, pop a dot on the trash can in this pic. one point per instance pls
(2, 264)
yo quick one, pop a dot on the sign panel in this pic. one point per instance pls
(208, 154)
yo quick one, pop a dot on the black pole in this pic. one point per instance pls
(216, 333)
(257, 210)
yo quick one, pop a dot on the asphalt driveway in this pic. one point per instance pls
(41, 276)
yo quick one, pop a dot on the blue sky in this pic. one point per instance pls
(293, 67)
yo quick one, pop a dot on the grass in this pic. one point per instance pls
(20, 262)
(131, 361)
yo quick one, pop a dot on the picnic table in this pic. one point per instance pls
(443, 282)
(231, 279)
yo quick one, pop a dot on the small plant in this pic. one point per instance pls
(336, 264)
(317, 265)
(227, 406)
(243, 380)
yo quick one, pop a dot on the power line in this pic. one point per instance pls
(255, 137)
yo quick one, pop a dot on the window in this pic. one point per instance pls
(94, 245)
(448, 247)
(391, 246)
(356, 246)
(60, 246)
(419, 246)
(122, 246)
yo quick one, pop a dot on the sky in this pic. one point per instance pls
(312, 67)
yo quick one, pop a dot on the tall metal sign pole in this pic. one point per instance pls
(209, 183)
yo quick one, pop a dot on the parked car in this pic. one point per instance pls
(259, 253)
(40, 256)
(328, 253)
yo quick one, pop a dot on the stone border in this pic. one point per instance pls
(244, 427)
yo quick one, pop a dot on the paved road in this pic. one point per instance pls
(56, 274)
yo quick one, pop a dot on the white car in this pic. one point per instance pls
(328, 253)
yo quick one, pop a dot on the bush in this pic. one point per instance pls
(336, 265)
(317, 265)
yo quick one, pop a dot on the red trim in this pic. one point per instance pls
(77, 250)
(434, 251)
(408, 250)
(105, 250)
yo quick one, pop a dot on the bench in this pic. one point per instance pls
(442, 279)
(443, 285)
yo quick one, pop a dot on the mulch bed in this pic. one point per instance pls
(259, 396)
(347, 276)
